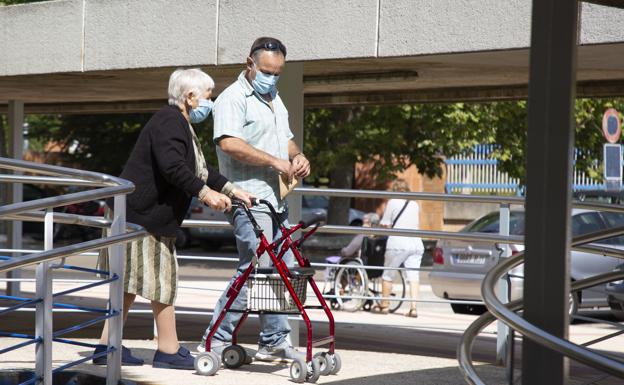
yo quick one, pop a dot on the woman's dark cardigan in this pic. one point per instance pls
(162, 168)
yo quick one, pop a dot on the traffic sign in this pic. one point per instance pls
(612, 165)
(611, 125)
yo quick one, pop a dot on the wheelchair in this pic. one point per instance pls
(355, 287)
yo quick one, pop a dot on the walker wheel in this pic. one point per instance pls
(337, 362)
(325, 364)
(234, 356)
(207, 363)
(298, 370)
(314, 371)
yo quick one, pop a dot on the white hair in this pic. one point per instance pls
(184, 81)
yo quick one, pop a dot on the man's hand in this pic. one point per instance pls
(283, 167)
(244, 196)
(217, 201)
(300, 166)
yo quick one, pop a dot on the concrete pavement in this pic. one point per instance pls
(376, 349)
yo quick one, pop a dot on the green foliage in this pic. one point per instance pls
(393, 137)
(509, 121)
(99, 142)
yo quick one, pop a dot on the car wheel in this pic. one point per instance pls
(573, 307)
(460, 308)
(356, 222)
(211, 245)
(618, 314)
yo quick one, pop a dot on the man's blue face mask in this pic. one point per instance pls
(263, 83)
(201, 112)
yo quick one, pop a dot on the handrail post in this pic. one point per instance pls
(43, 315)
(117, 265)
(502, 335)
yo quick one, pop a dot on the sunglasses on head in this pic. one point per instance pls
(270, 46)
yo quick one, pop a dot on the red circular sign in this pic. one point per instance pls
(611, 125)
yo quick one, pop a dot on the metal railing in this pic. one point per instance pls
(504, 202)
(44, 301)
(507, 313)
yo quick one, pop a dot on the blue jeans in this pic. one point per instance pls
(274, 327)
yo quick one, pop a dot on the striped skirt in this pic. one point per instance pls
(151, 268)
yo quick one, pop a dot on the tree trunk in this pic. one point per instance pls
(338, 211)
(341, 177)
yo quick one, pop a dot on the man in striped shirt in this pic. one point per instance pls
(254, 146)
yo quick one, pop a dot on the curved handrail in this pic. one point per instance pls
(106, 186)
(505, 313)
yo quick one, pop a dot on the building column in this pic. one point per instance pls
(552, 85)
(291, 92)
(16, 146)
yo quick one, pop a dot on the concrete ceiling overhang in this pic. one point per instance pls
(370, 52)
(480, 76)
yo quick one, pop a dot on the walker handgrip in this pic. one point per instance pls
(241, 203)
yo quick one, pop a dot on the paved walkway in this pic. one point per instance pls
(375, 349)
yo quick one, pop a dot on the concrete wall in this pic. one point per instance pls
(408, 27)
(149, 33)
(84, 35)
(41, 38)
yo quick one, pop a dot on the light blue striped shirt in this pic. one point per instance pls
(241, 112)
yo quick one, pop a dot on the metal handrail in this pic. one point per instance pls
(108, 186)
(506, 313)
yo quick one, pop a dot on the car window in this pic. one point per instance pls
(490, 224)
(614, 220)
(586, 223)
(315, 201)
(486, 224)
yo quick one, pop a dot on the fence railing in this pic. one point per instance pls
(45, 300)
(478, 172)
(504, 202)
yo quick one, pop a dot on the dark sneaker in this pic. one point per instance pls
(180, 360)
(127, 359)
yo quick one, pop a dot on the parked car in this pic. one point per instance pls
(314, 206)
(215, 237)
(460, 266)
(615, 296)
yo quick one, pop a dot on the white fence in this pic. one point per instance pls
(477, 172)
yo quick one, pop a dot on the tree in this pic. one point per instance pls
(509, 120)
(392, 137)
(99, 143)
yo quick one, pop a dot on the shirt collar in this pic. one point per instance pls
(249, 90)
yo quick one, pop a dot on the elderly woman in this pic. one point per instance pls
(168, 168)
(401, 214)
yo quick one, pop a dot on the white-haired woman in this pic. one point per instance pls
(168, 168)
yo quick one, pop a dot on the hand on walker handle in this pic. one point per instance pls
(217, 201)
(243, 196)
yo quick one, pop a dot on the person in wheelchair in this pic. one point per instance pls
(354, 248)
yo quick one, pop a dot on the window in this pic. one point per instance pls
(614, 220)
(586, 223)
(490, 224)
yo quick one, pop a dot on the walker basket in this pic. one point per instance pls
(268, 292)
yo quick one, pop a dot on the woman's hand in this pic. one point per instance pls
(244, 196)
(216, 200)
